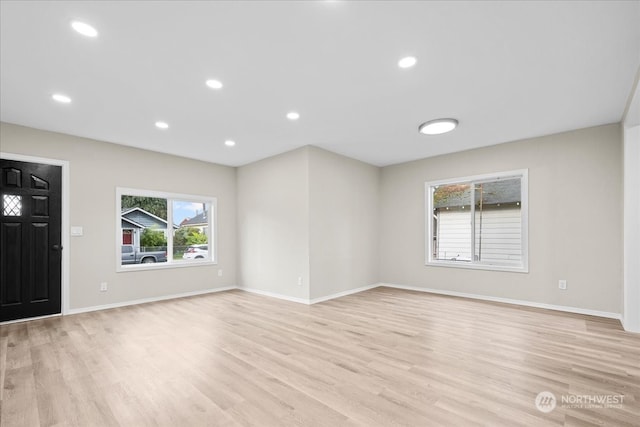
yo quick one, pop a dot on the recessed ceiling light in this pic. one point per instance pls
(438, 126)
(64, 99)
(292, 115)
(84, 29)
(229, 143)
(407, 62)
(162, 125)
(214, 84)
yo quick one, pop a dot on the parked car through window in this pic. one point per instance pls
(196, 252)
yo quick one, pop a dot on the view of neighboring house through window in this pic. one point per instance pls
(164, 229)
(478, 222)
(191, 238)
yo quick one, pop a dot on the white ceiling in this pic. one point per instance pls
(505, 70)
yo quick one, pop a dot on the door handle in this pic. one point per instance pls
(57, 248)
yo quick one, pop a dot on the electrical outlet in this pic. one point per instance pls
(220, 273)
(562, 284)
(103, 287)
(299, 280)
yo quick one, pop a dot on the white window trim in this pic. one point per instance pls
(523, 174)
(212, 237)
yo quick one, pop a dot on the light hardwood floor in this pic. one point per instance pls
(379, 358)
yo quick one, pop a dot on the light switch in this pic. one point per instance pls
(76, 231)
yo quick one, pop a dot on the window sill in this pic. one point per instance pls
(470, 266)
(162, 266)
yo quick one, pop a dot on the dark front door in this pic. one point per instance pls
(30, 239)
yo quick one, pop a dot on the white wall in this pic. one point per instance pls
(341, 224)
(96, 169)
(273, 225)
(307, 213)
(631, 124)
(631, 312)
(343, 221)
(575, 221)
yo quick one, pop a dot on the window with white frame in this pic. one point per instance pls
(159, 230)
(478, 222)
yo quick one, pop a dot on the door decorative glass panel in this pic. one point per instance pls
(11, 205)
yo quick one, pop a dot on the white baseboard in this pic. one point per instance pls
(8, 322)
(308, 301)
(145, 300)
(275, 295)
(629, 326)
(564, 308)
(344, 293)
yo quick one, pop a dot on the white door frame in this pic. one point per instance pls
(64, 303)
(631, 230)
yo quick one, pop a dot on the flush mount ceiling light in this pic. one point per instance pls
(63, 99)
(214, 84)
(229, 143)
(162, 125)
(438, 126)
(292, 115)
(407, 62)
(84, 29)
